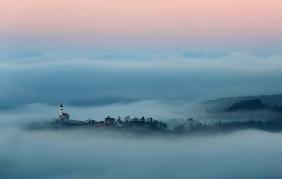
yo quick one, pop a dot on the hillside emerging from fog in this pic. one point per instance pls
(245, 108)
(223, 115)
(273, 100)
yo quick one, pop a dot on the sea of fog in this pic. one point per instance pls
(91, 153)
(72, 154)
(162, 88)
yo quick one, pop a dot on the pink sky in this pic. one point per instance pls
(143, 20)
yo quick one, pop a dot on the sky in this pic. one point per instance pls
(156, 25)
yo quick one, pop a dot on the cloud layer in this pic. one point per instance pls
(88, 154)
(124, 78)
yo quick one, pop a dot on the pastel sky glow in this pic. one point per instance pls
(234, 24)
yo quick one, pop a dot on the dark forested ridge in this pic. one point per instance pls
(252, 105)
(249, 105)
(273, 100)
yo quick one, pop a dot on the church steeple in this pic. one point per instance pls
(61, 109)
(63, 116)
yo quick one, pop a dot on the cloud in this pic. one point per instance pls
(158, 86)
(194, 61)
(203, 55)
(104, 81)
(101, 101)
(90, 154)
(44, 112)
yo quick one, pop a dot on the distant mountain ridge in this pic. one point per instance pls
(263, 107)
(272, 100)
(252, 105)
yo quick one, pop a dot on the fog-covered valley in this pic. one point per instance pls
(87, 154)
(177, 90)
(83, 153)
(140, 89)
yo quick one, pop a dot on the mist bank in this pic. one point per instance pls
(111, 79)
(204, 115)
(63, 154)
(151, 118)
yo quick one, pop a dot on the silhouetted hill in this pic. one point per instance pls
(221, 103)
(252, 105)
(264, 107)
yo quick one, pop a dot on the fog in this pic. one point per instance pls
(89, 154)
(94, 153)
(165, 87)
(113, 79)
(44, 112)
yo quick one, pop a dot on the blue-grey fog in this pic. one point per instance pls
(89, 154)
(170, 87)
(108, 79)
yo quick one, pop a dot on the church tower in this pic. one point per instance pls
(61, 110)
(62, 115)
